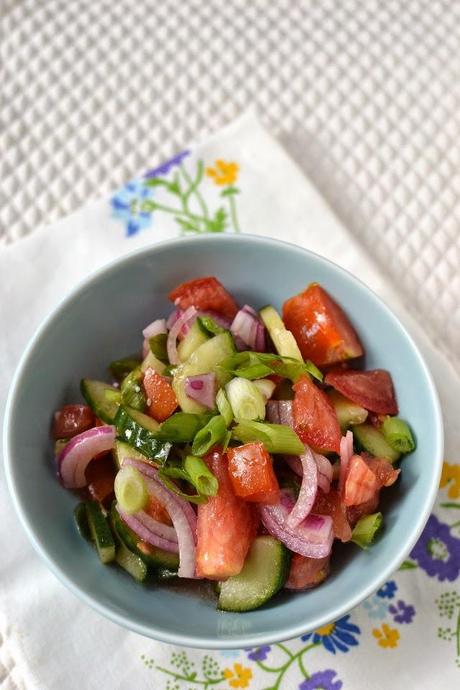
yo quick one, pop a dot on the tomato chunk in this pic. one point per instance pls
(100, 476)
(71, 420)
(251, 473)
(383, 470)
(157, 512)
(331, 504)
(360, 484)
(204, 294)
(371, 389)
(226, 527)
(306, 573)
(161, 399)
(315, 420)
(322, 330)
(354, 513)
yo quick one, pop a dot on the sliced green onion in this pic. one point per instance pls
(365, 529)
(164, 474)
(226, 441)
(132, 391)
(254, 365)
(182, 427)
(246, 400)
(201, 476)
(277, 438)
(224, 407)
(266, 387)
(210, 435)
(208, 325)
(158, 347)
(255, 371)
(398, 434)
(120, 368)
(130, 490)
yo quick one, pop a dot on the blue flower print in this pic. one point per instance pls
(127, 205)
(388, 590)
(336, 636)
(376, 607)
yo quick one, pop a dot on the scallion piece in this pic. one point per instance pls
(182, 427)
(164, 474)
(208, 325)
(201, 476)
(224, 407)
(158, 347)
(120, 368)
(210, 435)
(365, 529)
(132, 391)
(130, 490)
(254, 365)
(266, 387)
(277, 438)
(397, 433)
(246, 400)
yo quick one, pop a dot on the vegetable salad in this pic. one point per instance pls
(238, 447)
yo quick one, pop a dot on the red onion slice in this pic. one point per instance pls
(147, 534)
(294, 463)
(173, 317)
(79, 451)
(346, 451)
(155, 328)
(174, 332)
(165, 531)
(286, 413)
(202, 388)
(273, 411)
(308, 489)
(181, 513)
(247, 328)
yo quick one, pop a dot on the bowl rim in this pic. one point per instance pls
(244, 640)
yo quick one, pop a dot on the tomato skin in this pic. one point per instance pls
(100, 475)
(226, 527)
(383, 470)
(306, 573)
(71, 420)
(162, 400)
(354, 513)
(315, 420)
(157, 512)
(331, 504)
(360, 484)
(206, 294)
(372, 389)
(251, 473)
(321, 328)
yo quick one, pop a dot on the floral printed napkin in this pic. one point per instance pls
(407, 635)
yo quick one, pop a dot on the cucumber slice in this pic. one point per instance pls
(124, 450)
(152, 362)
(372, 440)
(348, 413)
(283, 340)
(139, 431)
(132, 390)
(264, 573)
(120, 368)
(203, 360)
(81, 520)
(192, 341)
(103, 399)
(164, 574)
(134, 565)
(150, 555)
(100, 532)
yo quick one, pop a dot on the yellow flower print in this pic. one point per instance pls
(240, 677)
(451, 476)
(224, 173)
(387, 637)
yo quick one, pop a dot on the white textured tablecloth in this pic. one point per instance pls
(406, 635)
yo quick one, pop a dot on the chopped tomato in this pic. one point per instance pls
(315, 420)
(306, 573)
(322, 330)
(204, 294)
(250, 468)
(370, 389)
(100, 476)
(71, 420)
(331, 504)
(383, 470)
(354, 513)
(161, 399)
(226, 527)
(157, 512)
(360, 484)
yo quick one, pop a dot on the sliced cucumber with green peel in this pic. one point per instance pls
(133, 564)
(264, 573)
(152, 556)
(124, 450)
(152, 362)
(120, 368)
(139, 431)
(100, 532)
(132, 390)
(205, 359)
(192, 341)
(103, 399)
(372, 440)
(282, 339)
(81, 520)
(348, 413)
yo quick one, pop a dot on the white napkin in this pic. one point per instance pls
(51, 640)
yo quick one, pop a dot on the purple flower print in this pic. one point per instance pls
(259, 653)
(401, 612)
(166, 167)
(388, 590)
(322, 680)
(437, 551)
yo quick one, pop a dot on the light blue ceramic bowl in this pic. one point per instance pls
(101, 321)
